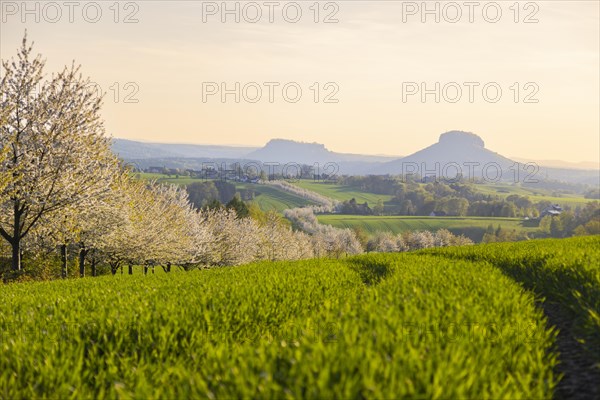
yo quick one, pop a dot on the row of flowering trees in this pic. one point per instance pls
(61, 188)
(387, 242)
(55, 160)
(338, 241)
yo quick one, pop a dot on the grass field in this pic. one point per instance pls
(341, 193)
(272, 198)
(504, 190)
(565, 277)
(469, 322)
(442, 323)
(472, 227)
(267, 197)
(563, 272)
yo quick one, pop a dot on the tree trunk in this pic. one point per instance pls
(82, 254)
(16, 239)
(63, 255)
(16, 254)
(153, 270)
(145, 270)
(93, 265)
(168, 267)
(130, 269)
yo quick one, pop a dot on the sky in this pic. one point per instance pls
(370, 77)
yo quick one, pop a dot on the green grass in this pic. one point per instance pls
(536, 195)
(341, 192)
(271, 198)
(267, 197)
(448, 323)
(472, 227)
(147, 175)
(563, 272)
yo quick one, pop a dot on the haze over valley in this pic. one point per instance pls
(465, 149)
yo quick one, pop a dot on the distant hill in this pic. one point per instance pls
(585, 165)
(133, 150)
(285, 151)
(277, 150)
(453, 147)
(462, 148)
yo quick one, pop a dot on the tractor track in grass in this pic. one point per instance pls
(567, 290)
(580, 376)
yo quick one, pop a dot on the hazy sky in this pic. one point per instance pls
(377, 58)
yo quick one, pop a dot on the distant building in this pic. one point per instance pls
(156, 170)
(438, 214)
(552, 211)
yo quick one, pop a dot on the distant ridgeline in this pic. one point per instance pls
(456, 154)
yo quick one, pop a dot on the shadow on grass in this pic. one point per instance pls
(570, 300)
(371, 272)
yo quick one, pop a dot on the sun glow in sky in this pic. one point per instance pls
(377, 77)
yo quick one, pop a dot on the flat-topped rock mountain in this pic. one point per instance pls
(452, 147)
(286, 151)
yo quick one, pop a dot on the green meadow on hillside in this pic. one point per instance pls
(472, 227)
(272, 198)
(342, 192)
(504, 190)
(267, 197)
